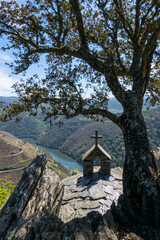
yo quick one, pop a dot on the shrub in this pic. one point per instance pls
(75, 171)
(5, 189)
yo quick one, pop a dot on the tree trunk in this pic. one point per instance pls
(141, 198)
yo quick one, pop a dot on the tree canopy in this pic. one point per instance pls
(106, 45)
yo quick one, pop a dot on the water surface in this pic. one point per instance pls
(64, 159)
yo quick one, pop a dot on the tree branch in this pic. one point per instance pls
(16, 33)
(116, 43)
(126, 25)
(75, 5)
(97, 111)
(136, 31)
(147, 59)
(141, 83)
(107, 70)
(149, 26)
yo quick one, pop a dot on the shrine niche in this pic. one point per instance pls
(96, 151)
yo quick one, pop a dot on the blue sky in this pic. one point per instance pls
(6, 79)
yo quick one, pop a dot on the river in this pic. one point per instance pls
(64, 159)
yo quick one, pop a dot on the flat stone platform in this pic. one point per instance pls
(85, 194)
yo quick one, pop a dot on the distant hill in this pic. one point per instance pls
(15, 154)
(28, 127)
(73, 137)
(113, 105)
(8, 100)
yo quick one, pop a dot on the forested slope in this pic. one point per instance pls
(73, 137)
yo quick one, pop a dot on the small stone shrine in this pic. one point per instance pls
(96, 151)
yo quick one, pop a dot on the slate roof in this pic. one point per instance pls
(95, 148)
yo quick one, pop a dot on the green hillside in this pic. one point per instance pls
(73, 137)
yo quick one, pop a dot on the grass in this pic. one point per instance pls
(24, 163)
(5, 190)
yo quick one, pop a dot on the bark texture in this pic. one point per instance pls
(141, 198)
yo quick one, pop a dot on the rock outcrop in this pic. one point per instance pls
(43, 207)
(84, 195)
(27, 213)
(157, 155)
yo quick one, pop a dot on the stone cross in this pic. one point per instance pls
(96, 137)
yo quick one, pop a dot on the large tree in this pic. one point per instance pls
(107, 46)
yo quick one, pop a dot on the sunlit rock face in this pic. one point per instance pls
(157, 155)
(43, 207)
(28, 211)
(87, 194)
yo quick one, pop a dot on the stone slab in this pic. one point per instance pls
(116, 173)
(69, 196)
(84, 194)
(90, 205)
(95, 193)
(108, 202)
(109, 189)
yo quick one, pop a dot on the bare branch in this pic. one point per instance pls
(103, 113)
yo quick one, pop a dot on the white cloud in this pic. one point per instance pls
(4, 57)
(6, 84)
